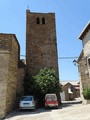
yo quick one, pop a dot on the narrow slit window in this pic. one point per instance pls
(88, 66)
(38, 20)
(89, 62)
(43, 20)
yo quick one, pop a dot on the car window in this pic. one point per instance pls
(26, 99)
(51, 97)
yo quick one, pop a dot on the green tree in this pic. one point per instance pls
(29, 85)
(46, 81)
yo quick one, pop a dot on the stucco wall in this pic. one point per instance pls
(86, 38)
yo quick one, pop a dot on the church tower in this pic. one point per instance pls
(41, 45)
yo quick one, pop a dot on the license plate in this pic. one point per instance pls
(26, 103)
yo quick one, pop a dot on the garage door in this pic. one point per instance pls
(62, 94)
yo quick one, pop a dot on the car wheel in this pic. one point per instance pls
(34, 108)
(46, 107)
(56, 107)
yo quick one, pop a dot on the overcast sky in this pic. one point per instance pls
(71, 18)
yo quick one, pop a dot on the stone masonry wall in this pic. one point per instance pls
(21, 76)
(41, 45)
(12, 72)
(83, 75)
(5, 47)
(20, 81)
(67, 94)
(4, 61)
(83, 67)
(12, 75)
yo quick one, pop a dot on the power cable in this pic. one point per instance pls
(67, 57)
(71, 57)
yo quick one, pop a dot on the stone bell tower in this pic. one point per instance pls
(41, 45)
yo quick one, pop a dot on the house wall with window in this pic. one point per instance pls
(84, 60)
(68, 91)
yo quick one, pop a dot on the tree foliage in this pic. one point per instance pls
(86, 93)
(29, 85)
(46, 81)
(43, 83)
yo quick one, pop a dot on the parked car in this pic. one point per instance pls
(51, 100)
(28, 102)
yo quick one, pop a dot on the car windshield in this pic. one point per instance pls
(26, 99)
(51, 97)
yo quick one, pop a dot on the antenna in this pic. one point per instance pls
(28, 5)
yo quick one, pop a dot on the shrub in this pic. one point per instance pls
(86, 93)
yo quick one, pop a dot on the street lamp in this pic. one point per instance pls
(75, 62)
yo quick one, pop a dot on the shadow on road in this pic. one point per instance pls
(28, 112)
(41, 110)
(70, 103)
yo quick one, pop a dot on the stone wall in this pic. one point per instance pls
(9, 55)
(12, 75)
(41, 45)
(83, 75)
(5, 41)
(20, 81)
(83, 65)
(69, 96)
(84, 61)
(4, 61)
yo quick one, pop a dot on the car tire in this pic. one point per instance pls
(46, 107)
(34, 108)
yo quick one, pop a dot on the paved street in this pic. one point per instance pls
(67, 112)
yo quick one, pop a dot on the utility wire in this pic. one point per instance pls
(23, 55)
(67, 57)
(74, 57)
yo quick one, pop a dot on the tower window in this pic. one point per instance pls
(88, 66)
(89, 61)
(38, 20)
(43, 20)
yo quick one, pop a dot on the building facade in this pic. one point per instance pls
(41, 45)
(9, 70)
(70, 90)
(84, 60)
(41, 52)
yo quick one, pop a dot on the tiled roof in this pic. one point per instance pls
(82, 34)
(71, 82)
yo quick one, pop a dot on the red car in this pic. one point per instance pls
(51, 100)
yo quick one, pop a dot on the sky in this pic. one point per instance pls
(71, 18)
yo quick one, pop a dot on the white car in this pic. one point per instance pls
(27, 102)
